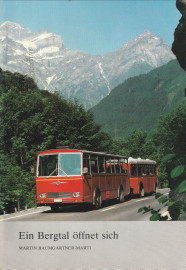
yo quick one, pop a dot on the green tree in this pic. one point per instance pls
(169, 139)
(135, 144)
(171, 147)
(32, 120)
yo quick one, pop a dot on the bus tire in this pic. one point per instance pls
(141, 191)
(97, 199)
(54, 208)
(121, 195)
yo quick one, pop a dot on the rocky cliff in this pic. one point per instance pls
(179, 44)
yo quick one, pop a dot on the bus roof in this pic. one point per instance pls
(140, 161)
(65, 150)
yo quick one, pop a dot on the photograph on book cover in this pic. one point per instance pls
(92, 136)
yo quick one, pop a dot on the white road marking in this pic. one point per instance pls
(108, 209)
(144, 199)
(126, 203)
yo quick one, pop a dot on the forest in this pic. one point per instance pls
(33, 120)
(139, 101)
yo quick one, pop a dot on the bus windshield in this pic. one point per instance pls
(67, 164)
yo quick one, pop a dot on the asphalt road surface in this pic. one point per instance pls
(110, 211)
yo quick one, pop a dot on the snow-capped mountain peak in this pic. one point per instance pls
(146, 33)
(88, 78)
(12, 25)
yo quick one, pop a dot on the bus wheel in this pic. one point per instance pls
(121, 196)
(142, 192)
(54, 208)
(97, 200)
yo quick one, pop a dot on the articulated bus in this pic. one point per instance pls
(143, 176)
(67, 176)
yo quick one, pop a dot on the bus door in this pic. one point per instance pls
(95, 178)
(125, 176)
(149, 178)
(141, 178)
(109, 178)
(102, 173)
(87, 185)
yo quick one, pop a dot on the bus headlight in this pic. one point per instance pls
(42, 195)
(76, 194)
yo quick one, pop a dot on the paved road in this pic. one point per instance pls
(111, 211)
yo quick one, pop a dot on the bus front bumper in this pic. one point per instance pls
(59, 201)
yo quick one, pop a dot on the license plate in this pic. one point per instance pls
(57, 200)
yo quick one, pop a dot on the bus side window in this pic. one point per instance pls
(94, 163)
(147, 170)
(117, 166)
(101, 164)
(155, 173)
(123, 165)
(94, 166)
(151, 170)
(124, 170)
(112, 166)
(143, 170)
(133, 170)
(86, 163)
(139, 170)
(108, 165)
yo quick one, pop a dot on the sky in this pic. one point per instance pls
(94, 27)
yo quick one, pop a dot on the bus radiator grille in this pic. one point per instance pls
(59, 195)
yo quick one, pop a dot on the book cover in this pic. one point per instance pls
(92, 126)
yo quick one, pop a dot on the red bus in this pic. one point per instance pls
(143, 176)
(67, 176)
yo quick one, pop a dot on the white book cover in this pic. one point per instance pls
(92, 126)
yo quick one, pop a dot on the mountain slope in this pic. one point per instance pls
(139, 101)
(75, 74)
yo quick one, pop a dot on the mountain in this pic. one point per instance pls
(139, 101)
(75, 74)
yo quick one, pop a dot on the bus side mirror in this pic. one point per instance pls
(85, 170)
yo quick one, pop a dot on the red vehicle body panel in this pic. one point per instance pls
(59, 185)
(148, 184)
(63, 187)
(147, 181)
